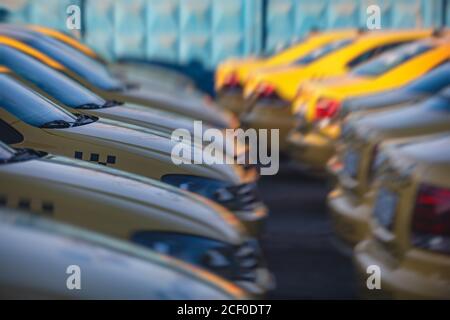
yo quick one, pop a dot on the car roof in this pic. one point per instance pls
(18, 45)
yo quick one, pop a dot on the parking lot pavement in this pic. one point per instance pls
(298, 240)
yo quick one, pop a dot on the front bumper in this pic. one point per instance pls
(311, 150)
(231, 100)
(419, 274)
(265, 282)
(350, 217)
(270, 117)
(254, 221)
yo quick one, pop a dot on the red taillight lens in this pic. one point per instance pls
(431, 219)
(232, 80)
(326, 108)
(265, 90)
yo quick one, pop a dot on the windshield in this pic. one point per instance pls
(90, 69)
(28, 105)
(323, 51)
(51, 81)
(433, 81)
(391, 59)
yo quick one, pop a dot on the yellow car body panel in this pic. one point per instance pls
(32, 52)
(66, 39)
(161, 121)
(139, 115)
(412, 266)
(244, 67)
(287, 80)
(141, 151)
(141, 73)
(235, 66)
(351, 85)
(232, 98)
(112, 202)
(112, 88)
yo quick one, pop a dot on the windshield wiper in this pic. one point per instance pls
(107, 104)
(112, 103)
(83, 119)
(89, 106)
(24, 155)
(56, 124)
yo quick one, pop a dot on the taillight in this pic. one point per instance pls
(326, 108)
(231, 80)
(265, 90)
(431, 219)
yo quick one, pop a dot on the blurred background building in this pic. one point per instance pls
(195, 35)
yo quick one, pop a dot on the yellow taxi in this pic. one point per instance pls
(319, 103)
(231, 75)
(269, 93)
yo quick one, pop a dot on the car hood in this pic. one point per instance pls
(183, 104)
(427, 156)
(151, 276)
(286, 80)
(146, 117)
(122, 186)
(432, 150)
(392, 98)
(407, 121)
(340, 87)
(143, 141)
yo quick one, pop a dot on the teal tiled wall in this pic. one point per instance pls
(208, 31)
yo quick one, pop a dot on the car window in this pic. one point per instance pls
(47, 79)
(391, 60)
(90, 69)
(372, 53)
(432, 82)
(323, 51)
(9, 134)
(28, 105)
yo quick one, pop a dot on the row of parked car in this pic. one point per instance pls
(89, 188)
(370, 111)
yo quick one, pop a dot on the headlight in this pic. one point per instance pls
(228, 261)
(233, 197)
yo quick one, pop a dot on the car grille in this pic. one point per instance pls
(241, 197)
(247, 259)
(385, 208)
(351, 161)
(242, 264)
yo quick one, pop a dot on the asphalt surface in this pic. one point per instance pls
(298, 240)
